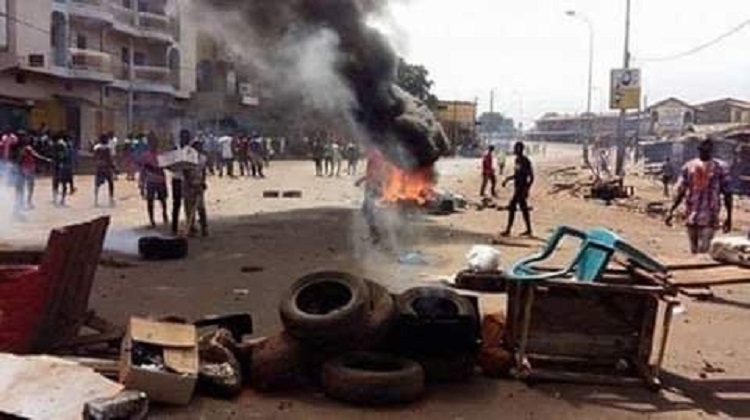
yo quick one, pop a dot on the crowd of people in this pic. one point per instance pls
(329, 156)
(25, 155)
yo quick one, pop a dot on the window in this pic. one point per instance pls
(128, 4)
(81, 41)
(3, 24)
(139, 59)
(125, 55)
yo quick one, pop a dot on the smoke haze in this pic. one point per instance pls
(325, 52)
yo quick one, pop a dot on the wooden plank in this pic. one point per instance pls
(712, 276)
(21, 257)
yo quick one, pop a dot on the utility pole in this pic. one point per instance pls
(620, 159)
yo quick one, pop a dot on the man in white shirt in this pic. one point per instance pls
(227, 156)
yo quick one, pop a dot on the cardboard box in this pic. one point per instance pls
(180, 159)
(172, 380)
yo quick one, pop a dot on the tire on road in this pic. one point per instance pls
(373, 379)
(434, 303)
(325, 306)
(155, 248)
(277, 364)
(380, 318)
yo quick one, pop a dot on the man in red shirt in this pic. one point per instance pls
(373, 181)
(26, 159)
(488, 172)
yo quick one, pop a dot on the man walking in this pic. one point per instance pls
(523, 179)
(105, 169)
(488, 172)
(703, 181)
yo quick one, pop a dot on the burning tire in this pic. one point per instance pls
(154, 248)
(372, 379)
(380, 318)
(327, 305)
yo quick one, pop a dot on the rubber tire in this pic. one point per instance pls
(368, 387)
(277, 364)
(338, 325)
(380, 318)
(154, 248)
(405, 301)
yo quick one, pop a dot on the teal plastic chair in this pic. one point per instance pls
(610, 239)
(591, 260)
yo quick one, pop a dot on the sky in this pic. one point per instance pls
(535, 57)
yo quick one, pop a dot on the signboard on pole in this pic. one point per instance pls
(625, 92)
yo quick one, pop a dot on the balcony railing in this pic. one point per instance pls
(123, 15)
(90, 60)
(152, 74)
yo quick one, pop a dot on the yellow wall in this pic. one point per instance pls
(51, 113)
(463, 113)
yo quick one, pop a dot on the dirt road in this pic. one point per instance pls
(283, 239)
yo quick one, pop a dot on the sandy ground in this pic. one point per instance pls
(288, 238)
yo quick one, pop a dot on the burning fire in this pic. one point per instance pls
(402, 186)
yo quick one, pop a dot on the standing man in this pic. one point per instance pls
(62, 176)
(27, 158)
(488, 172)
(227, 157)
(155, 180)
(195, 191)
(318, 153)
(105, 169)
(177, 184)
(523, 179)
(703, 181)
(352, 157)
(667, 176)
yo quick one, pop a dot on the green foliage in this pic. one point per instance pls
(415, 79)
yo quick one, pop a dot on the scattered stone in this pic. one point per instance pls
(251, 269)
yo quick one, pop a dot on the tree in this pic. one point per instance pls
(415, 79)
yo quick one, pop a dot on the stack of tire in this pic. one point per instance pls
(347, 334)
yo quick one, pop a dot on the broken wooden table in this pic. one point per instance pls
(601, 332)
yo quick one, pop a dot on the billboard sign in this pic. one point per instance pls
(625, 92)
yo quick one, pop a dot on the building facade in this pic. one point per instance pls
(671, 117)
(724, 111)
(459, 119)
(88, 67)
(575, 128)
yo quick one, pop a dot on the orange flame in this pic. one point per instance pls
(403, 186)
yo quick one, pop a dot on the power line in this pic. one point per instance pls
(700, 47)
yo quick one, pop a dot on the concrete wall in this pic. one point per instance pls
(32, 40)
(188, 53)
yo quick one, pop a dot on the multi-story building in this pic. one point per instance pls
(93, 66)
(724, 111)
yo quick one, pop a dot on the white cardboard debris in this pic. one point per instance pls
(483, 258)
(731, 250)
(42, 387)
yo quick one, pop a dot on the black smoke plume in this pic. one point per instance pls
(364, 64)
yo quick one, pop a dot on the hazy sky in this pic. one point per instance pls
(535, 57)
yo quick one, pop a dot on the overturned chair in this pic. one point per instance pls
(586, 321)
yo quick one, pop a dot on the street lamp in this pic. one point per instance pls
(587, 140)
